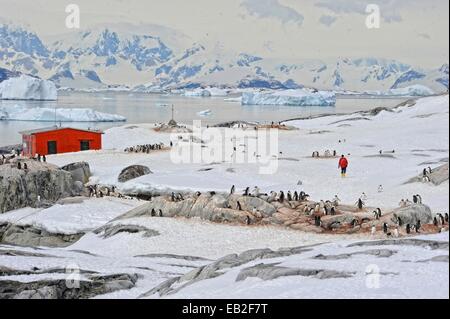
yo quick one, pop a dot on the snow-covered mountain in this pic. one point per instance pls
(151, 57)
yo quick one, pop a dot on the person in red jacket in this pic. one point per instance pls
(343, 164)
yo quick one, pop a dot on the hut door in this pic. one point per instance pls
(84, 146)
(51, 147)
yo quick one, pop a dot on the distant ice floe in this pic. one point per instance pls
(38, 114)
(28, 88)
(300, 97)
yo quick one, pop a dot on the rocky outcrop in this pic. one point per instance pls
(217, 268)
(112, 230)
(132, 172)
(215, 208)
(413, 213)
(437, 176)
(272, 271)
(40, 184)
(80, 171)
(92, 286)
(33, 236)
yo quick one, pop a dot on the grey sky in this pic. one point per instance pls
(413, 31)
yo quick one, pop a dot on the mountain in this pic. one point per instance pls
(151, 56)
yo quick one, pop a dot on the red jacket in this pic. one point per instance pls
(343, 162)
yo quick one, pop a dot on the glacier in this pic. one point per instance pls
(300, 97)
(38, 114)
(26, 87)
(413, 90)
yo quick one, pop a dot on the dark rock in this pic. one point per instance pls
(132, 172)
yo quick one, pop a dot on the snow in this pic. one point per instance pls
(403, 275)
(301, 97)
(28, 88)
(44, 114)
(71, 218)
(413, 90)
(418, 134)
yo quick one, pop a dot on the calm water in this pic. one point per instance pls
(154, 108)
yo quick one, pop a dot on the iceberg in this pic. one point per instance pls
(28, 88)
(299, 97)
(38, 114)
(204, 113)
(208, 92)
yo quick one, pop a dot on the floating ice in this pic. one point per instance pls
(301, 97)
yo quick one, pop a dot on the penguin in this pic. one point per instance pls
(373, 230)
(289, 196)
(419, 199)
(379, 212)
(281, 198)
(180, 197)
(173, 197)
(44, 159)
(418, 225)
(354, 223)
(247, 220)
(408, 228)
(19, 165)
(400, 221)
(232, 190)
(325, 209)
(415, 200)
(385, 228)
(318, 221)
(396, 233)
(247, 191)
(429, 170)
(375, 214)
(160, 213)
(239, 207)
(446, 217)
(296, 196)
(360, 204)
(435, 221)
(153, 213)
(332, 211)
(441, 218)
(25, 166)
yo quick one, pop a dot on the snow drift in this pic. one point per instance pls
(28, 88)
(22, 113)
(300, 97)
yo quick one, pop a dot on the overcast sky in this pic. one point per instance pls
(412, 31)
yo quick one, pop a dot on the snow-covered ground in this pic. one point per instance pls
(71, 217)
(43, 114)
(28, 88)
(418, 134)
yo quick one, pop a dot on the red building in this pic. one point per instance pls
(56, 140)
